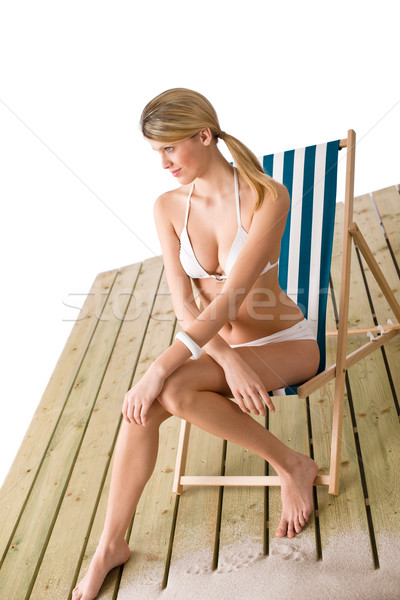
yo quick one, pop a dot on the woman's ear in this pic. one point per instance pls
(205, 136)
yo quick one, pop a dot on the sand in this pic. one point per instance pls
(290, 572)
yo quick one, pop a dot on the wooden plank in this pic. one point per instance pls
(154, 517)
(289, 424)
(377, 424)
(238, 480)
(153, 523)
(344, 514)
(369, 226)
(110, 585)
(195, 533)
(66, 544)
(31, 536)
(242, 519)
(17, 486)
(156, 339)
(388, 204)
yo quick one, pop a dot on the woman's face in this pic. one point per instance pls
(183, 159)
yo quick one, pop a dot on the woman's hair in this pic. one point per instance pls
(180, 113)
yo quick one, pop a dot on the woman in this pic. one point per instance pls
(222, 229)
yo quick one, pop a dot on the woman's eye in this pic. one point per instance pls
(169, 149)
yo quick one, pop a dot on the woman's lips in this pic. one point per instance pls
(175, 173)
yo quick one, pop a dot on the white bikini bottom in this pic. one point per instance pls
(299, 331)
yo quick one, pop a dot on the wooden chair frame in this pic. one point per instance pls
(336, 371)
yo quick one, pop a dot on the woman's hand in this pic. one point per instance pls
(246, 386)
(138, 400)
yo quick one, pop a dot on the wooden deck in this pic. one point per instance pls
(53, 501)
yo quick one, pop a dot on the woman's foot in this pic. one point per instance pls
(105, 558)
(297, 495)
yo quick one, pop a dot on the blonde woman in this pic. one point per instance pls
(221, 228)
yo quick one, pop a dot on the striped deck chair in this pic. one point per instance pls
(310, 175)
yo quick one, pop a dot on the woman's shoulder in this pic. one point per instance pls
(174, 196)
(274, 207)
(280, 201)
(171, 205)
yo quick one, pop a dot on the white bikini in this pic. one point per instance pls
(188, 259)
(192, 267)
(299, 331)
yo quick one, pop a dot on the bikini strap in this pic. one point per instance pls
(237, 198)
(188, 204)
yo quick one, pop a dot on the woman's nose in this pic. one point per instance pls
(165, 162)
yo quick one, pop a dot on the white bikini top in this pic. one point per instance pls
(189, 262)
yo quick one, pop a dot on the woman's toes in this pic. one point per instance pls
(76, 595)
(282, 529)
(297, 526)
(290, 531)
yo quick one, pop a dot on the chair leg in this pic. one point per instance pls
(337, 429)
(181, 456)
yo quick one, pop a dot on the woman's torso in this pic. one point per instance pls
(210, 234)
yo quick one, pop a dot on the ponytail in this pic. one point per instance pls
(249, 168)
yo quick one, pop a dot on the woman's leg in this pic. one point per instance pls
(134, 459)
(198, 392)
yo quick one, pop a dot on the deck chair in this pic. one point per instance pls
(310, 175)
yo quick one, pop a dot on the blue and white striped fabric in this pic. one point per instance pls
(310, 175)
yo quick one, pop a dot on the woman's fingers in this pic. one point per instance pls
(266, 399)
(254, 401)
(145, 412)
(130, 409)
(138, 400)
(250, 403)
(136, 413)
(245, 403)
(143, 415)
(240, 402)
(258, 402)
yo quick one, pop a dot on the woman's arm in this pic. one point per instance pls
(262, 241)
(183, 300)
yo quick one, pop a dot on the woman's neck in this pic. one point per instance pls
(215, 179)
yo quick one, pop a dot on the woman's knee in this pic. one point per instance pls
(176, 395)
(157, 414)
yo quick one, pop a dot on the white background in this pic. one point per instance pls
(78, 182)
